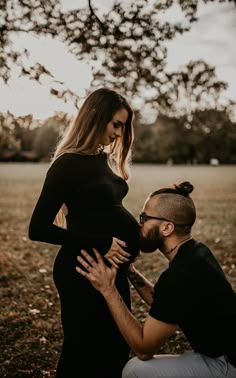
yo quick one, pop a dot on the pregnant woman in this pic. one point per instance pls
(87, 181)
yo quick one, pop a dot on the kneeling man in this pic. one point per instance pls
(192, 294)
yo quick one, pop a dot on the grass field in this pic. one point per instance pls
(30, 331)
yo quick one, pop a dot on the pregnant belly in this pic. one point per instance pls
(123, 225)
(116, 222)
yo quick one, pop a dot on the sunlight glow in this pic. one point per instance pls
(211, 38)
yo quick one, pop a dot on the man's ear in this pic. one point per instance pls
(167, 228)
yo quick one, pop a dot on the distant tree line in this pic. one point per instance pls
(195, 139)
(25, 139)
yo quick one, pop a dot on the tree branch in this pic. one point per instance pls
(94, 14)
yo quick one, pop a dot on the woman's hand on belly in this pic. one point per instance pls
(116, 254)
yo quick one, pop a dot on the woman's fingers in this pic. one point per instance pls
(123, 254)
(112, 262)
(116, 256)
(120, 242)
(120, 259)
(117, 259)
(117, 248)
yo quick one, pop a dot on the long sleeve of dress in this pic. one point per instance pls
(54, 193)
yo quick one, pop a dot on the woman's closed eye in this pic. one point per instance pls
(117, 125)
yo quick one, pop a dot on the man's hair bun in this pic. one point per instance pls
(184, 188)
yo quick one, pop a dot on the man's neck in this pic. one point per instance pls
(171, 248)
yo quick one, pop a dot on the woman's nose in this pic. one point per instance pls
(118, 132)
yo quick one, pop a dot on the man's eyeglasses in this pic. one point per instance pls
(144, 217)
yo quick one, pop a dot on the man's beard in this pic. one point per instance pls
(151, 241)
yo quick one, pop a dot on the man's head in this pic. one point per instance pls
(167, 212)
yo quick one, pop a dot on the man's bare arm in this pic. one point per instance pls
(143, 340)
(141, 284)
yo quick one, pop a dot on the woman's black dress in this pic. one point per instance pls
(92, 346)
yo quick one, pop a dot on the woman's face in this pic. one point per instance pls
(115, 127)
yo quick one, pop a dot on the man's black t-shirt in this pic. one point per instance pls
(195, 294)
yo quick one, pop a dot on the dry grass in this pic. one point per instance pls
(30, 332)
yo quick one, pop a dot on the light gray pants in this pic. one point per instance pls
(188, 364)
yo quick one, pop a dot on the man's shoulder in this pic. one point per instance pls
(202, 252)
(196, 250)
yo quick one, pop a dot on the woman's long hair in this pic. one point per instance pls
(83, 135)
(90, 124)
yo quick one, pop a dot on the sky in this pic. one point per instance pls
(211, 38)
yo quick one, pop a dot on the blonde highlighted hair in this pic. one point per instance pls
(84, 133)
(90, 124)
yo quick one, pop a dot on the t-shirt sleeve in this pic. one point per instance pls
(167, 300)
(53, 194)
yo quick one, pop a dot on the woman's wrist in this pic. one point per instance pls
(132, 269)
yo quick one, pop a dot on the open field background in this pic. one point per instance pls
(30, 332)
